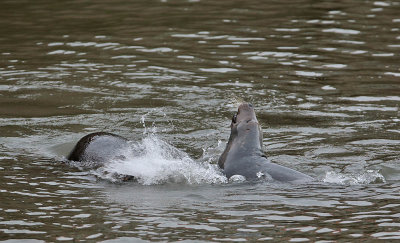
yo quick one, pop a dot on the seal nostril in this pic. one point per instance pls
(250, 105)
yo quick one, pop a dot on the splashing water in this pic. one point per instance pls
(368, 177)
(153, 161)
(237, 179)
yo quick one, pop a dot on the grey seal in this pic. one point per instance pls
(244, 156)
(96, 149)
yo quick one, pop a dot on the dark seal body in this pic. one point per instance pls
(243, 154)
(96, 149)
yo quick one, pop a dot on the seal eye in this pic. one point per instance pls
(234, 118)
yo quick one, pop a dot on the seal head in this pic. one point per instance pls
(245, 135)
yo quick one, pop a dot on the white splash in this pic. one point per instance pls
(368, 177)
(237, 179)
(260, 174)
(153, 161)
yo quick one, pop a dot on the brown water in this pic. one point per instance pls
(324, 77)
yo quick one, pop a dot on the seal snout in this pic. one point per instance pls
(245, 113)
(245, 106)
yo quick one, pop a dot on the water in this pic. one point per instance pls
(324, 78)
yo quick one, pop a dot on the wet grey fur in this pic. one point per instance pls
(243, 154)
(96, 149)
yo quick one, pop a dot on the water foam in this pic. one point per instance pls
(153, 161)
(368, 177)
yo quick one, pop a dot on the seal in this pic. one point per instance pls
(244, 156)
(96, 149)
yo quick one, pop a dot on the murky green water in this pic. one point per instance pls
(324, 77)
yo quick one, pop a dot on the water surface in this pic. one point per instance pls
(324, 78)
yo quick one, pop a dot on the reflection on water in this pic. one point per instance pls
(323, 76)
